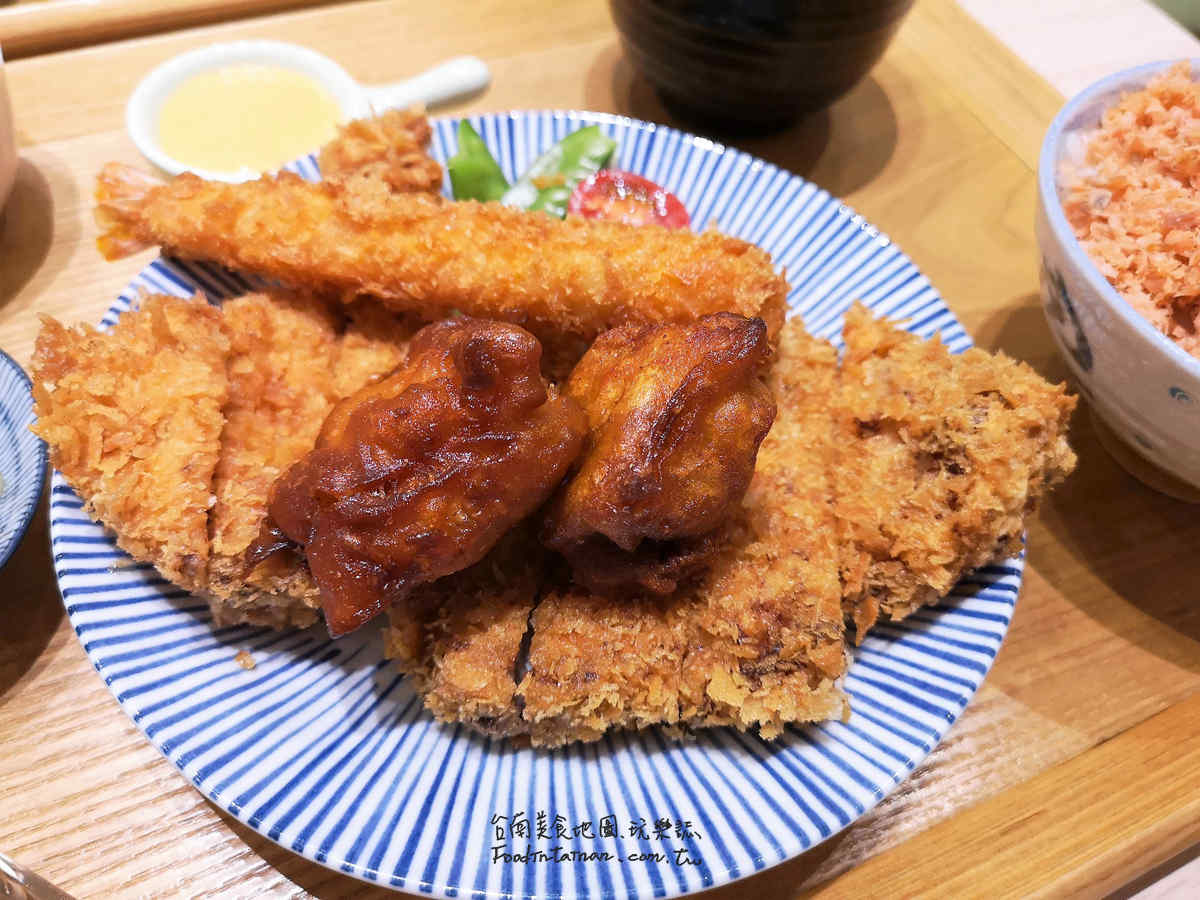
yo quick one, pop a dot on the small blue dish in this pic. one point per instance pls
(22, 456)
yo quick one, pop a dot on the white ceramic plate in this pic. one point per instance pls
(324, 749)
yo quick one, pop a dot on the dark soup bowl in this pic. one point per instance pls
(754, 64)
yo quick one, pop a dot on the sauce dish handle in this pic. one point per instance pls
(457, 77)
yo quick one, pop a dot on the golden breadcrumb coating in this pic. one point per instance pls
(460, 639)
(133, 420)
(171, 426)
(564, 280)
(389, 149)
(374, 343)
(768, 643)
(288, 365)
(942, 459)
(599, 662)
(283, 353)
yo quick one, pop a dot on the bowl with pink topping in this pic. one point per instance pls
(1118, 226)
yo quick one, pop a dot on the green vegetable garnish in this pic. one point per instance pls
(548, 183)
(474, 174)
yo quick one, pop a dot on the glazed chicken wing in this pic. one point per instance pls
(676, 414)
(418, 475)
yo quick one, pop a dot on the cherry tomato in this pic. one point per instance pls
(624, 197)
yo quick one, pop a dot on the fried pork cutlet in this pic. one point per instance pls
(757, 642)
(564, 280)
(389, 150)
(133, 421)
(460, 639)
(171, 425)
(374, 342)
(283, 356)
(942, 459)
(290, 361)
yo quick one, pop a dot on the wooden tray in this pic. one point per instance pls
(1077, 766)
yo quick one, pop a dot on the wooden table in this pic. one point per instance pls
(1076, 767)
(40, 26)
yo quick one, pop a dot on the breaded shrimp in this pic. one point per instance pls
(562, 280)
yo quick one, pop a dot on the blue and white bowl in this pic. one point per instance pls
(22, 457)
(1138, 381)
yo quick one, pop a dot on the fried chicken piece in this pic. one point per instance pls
(676, 414)
(943, 457)
(133, 420)
(418, 475)
(566, 281)
(757, 643)
(390, 149)
(283, 355)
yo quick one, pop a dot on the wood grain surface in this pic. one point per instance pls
(40, 26)
(1078, 739)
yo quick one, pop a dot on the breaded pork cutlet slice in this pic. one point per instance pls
(768, 647)
(757, 642)
(374, 342)
(133, 420)
(598, 662)
(290, 361)
(283, 354)
(942, 458)
(460, 639)
(389, 150)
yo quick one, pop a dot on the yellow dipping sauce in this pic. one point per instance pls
(246, 115)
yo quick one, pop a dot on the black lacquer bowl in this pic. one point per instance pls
(754, 64)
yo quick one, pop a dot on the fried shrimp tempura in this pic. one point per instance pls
(676, 414)
(565, 281)
(133, 420)
(418, 475)
(943, 458)
(389, 150)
